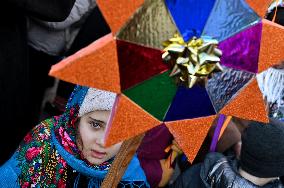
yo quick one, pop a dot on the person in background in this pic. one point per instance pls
(49, 43)
(157, 154)
(15, 95)
(260, 164)
(56, 97)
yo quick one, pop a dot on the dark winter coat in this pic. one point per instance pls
(217, 171)
(14, 66)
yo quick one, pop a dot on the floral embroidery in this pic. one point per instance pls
(28, 138)
(32, 153)
(40, 163)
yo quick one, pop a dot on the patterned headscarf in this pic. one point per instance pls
(45, 152)
(82, 101)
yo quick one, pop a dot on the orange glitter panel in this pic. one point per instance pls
(117, 13)
(128, 121)
(259, 6)
(248, 104)
(190, 134)
(272, 45)
(94, 66)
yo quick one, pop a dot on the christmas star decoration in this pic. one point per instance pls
(128, 61)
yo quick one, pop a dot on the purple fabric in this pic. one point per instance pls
(151, 151)
(152, 170)
(241, 51)
(217, 132)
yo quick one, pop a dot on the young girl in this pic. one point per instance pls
(68, 150)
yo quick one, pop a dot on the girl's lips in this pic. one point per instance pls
(97, 154)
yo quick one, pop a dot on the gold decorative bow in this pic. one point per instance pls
(192, 61)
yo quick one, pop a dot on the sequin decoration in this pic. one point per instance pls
(242, 50)
(150, 26)
(186, 13)
(272, 45)
(154, 95)
(224, 85)
(129, 120)
(228, 18)
(116, 14)
(190, 103)
(95, 66)
(244, 107)
(190, 134)
(136, 59)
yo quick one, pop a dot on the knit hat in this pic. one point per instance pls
(96, 99)
(262, 153)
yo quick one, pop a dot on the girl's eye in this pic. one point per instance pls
(95, 125)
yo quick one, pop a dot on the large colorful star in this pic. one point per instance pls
(128, 61)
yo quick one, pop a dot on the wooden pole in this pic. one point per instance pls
(121, 161)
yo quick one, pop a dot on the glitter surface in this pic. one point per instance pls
(129, 120)
(272, 45)
(259, 6)
(116, 14)
(94, 66)
(190, 134)
(248, 104)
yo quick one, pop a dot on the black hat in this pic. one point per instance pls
(262, 153)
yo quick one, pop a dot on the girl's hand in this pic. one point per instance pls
(175, 147)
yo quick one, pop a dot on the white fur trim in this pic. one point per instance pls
(271, 84)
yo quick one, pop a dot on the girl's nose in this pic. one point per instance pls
(100, 139)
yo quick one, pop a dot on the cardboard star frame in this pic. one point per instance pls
(128, 61)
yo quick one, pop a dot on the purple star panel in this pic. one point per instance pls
(242, 50)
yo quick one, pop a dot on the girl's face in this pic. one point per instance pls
(90, 139)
